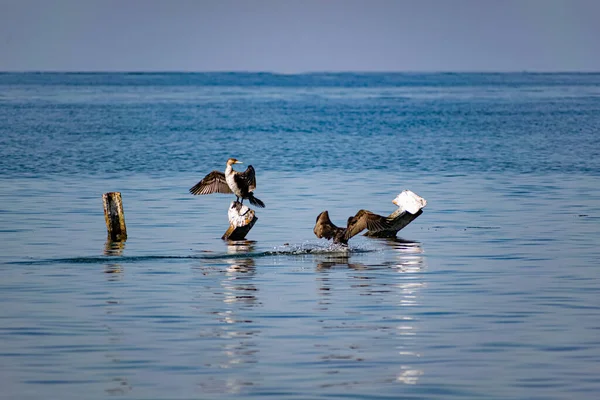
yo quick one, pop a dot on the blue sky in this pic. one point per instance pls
(300, 36)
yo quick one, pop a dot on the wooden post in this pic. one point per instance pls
(410, 206)
(241, 220)
(114, 216)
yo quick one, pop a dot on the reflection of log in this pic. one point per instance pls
(410, 206)
(241, 220)
(114, 216)
(112, 248)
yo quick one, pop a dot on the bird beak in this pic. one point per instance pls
(238, 162)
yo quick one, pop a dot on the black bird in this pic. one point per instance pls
(242, 184)
(363, 219)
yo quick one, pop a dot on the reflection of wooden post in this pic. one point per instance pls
(114, 247)
(241, 220)
(410, 206)
(114, 216)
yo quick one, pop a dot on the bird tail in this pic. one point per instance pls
(254, 201)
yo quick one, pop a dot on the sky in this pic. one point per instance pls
(290, 36)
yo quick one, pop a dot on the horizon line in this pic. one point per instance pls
(311, 72)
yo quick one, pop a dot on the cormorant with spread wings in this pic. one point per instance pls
(363, 219)
(242, 184)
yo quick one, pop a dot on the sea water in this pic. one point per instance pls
(493, 292)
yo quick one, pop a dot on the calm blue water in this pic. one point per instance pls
(494, 292)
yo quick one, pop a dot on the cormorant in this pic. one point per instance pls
(242, 184)
(363, 219)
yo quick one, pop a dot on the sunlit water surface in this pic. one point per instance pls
(494, 292)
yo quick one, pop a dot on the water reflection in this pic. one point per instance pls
(339, 260)
(240, 246)
(112, 248)
(240, 265)
(409, 376)
(235, 334)
(409, 262)
(386, 320)
(238, 286)
(118, 385)
(409, 254)
(114, 272)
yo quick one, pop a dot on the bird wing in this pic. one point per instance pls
(212, 183)
(246, 178)
(366, 220)
(324, 228)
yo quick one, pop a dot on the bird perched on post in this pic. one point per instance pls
(363, 219)
(242, 184)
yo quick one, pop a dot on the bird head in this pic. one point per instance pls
(232, 161)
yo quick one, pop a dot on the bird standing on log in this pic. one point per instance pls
(242, 184)
(363, 219)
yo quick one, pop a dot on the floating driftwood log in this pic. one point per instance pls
(241, 220)
(114, 216)
(410, 206)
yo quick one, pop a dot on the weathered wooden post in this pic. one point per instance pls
(410, 206)
(114, 216)
(241, 220)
